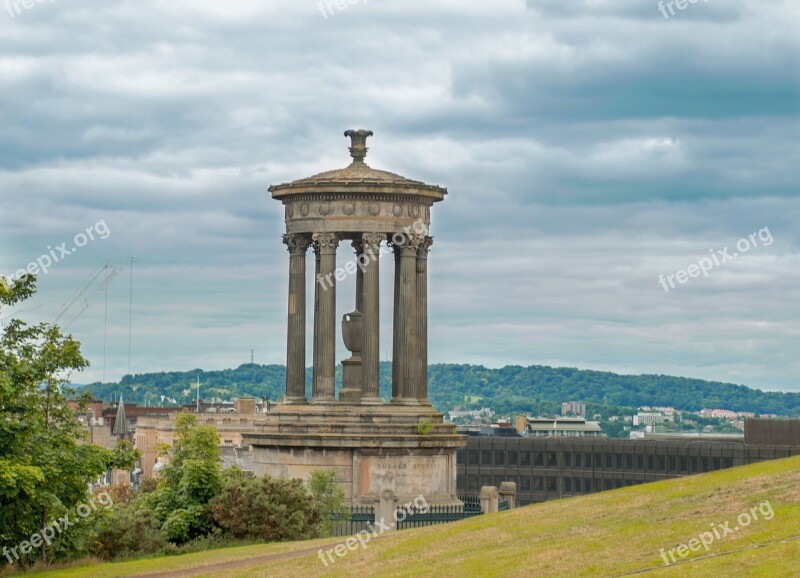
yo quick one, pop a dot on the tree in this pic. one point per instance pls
(266, 509)
(329, 500)
(189, 482)
(44, 470)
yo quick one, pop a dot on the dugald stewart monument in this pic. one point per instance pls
(401, 449)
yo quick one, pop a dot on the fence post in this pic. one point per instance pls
(490, 499)
(386, 508)
(508, 492)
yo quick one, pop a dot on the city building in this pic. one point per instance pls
(577, 408)
(548, 468)
(558, 427)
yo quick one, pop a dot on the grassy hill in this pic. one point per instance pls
(508, 390)
(614, 533)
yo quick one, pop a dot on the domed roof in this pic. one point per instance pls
(357, 174)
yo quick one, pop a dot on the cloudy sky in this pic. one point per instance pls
(589, 146)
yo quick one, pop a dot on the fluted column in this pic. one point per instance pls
(405, 323)
(397, 328)
(370, 303)
(325, 319)
(296, 336)
(422, 320)
(358, 247)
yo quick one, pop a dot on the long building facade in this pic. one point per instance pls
(552, 468)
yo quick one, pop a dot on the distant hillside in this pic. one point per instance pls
(507, 390)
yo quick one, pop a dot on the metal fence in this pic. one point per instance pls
(416, 518)
(502, 505)
(472, 504)
(363, 517)
(360, 518)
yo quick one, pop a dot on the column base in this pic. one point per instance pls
(294, 401)
(408, 401)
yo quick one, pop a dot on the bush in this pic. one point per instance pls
(265, 509)
(128, 531)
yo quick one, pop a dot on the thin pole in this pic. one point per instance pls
(130, 318)
(105, 325)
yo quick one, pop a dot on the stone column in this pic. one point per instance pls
(370, 350)
(325, 319)
(405, 323)
(296, 337)
(315, 337)
(358, 246)
(397, 330)
(422, 320)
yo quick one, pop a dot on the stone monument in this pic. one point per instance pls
(404, 445)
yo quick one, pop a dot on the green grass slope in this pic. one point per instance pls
(614, 533)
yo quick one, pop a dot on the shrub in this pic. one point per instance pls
(127, 531)
(266, 509)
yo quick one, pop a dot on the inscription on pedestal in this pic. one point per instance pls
(405, 475)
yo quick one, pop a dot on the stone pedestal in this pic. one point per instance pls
(351, 380)
(372, 449)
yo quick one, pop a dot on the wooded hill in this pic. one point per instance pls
(508, 390)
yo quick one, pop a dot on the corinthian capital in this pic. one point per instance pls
(424, 247)
(326, 243)
(297, 244)
(372, 241)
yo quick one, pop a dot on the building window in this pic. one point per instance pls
(577, 459)
(499, 457)
(567, 460)
(568, 485)
(473, 458)
(525, 484)
(473, 484)
(538, 484)
(512, 458)
(486, 458)
(552, 484)
(552, 460)
(525, 458)
(538, 459)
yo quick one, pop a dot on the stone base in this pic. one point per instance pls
(372, 448)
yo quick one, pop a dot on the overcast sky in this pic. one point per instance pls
(588, 148)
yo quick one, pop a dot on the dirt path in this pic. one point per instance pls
(235, 564)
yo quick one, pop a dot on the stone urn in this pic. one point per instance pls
(353, 332)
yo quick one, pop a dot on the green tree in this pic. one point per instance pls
(44, 469)
(329, 499)
(181, 501)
